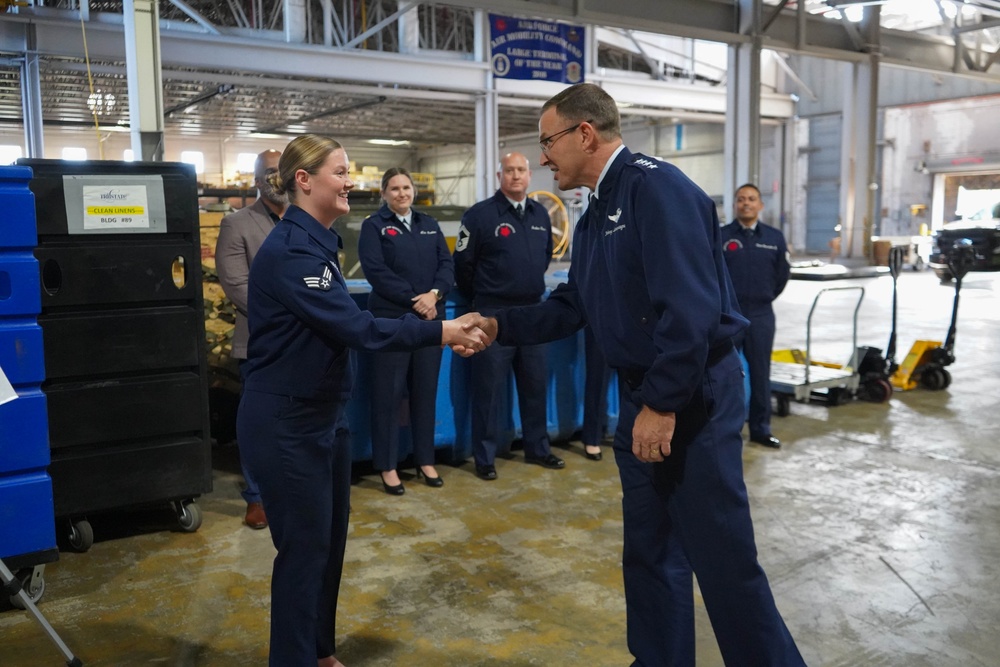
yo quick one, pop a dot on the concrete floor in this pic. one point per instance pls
(877, 524)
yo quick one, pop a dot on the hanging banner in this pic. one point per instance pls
(532, 49)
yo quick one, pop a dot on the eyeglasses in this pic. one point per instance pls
(546, 142)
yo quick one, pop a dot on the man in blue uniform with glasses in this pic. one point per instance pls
(649, 277)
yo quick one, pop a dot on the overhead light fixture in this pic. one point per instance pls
(389, 142)
(101, 103)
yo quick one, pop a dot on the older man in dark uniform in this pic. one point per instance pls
(503, 250)
(757, 258)
(649, 278)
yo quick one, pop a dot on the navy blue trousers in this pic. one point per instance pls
(757, 343)
(595, 391)
(490, 372)
(299, 452)
(689, 514)
(393, 375)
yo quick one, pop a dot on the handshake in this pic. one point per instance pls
(468, 334)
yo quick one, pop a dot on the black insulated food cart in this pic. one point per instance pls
(123, 327)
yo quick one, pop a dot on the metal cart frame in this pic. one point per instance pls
(801, 380)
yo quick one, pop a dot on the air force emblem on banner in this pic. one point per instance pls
(322, 282)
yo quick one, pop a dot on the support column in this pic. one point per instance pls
(31, 96)
(742, 142)
(145, 87)
(487, 124)
(295, 21)
(859, 179)
(409, 28)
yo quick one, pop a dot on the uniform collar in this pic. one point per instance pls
(388, 215)
(751, 229)
(607, 167)
(505, 203)
(327, 238)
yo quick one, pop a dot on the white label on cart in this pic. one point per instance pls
(115, 207)
(7, 392)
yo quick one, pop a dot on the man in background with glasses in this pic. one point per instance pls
(502, 253)
(649, 277)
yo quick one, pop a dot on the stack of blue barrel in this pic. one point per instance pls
(27, 520)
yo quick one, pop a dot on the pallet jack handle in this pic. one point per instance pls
(12, 587)
(896, 254)
(960, 261)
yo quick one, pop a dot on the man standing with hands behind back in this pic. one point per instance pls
(648, 276)
(240, 236)
(757, 258)
(503, 250)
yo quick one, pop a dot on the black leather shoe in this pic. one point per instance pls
(767, 440)
(486, 472)
(597, 456)
(551, 461)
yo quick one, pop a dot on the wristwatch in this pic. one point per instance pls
(437, 293)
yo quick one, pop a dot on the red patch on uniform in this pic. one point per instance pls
(391, 232)
(733, 246)
(504, 231)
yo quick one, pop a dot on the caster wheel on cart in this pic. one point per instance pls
(81, 536)
(782, 406)
(188, 516)
(935, 378)
(837, 396)
(32, 584)
(947, 378)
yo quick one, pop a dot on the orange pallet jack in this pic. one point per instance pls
(924, 365)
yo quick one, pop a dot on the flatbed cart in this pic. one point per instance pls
(800, 377)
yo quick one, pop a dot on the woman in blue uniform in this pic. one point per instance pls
(298, 377)
(407, 261)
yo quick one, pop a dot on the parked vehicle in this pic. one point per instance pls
(983, 229)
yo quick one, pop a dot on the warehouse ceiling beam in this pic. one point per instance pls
(195, 16)
(404, 7)
(324, 114)
(202, 97)
(791, 30)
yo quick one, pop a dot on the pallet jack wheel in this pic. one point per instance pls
(782, 405)
(81, 536)
(879, 391)
(934, 379)
(188, 516)
(30, 584)
(947, 378)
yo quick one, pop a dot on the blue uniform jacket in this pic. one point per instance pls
(303, 321)
(758, 264)
(648, 275)
(401, 264)
(500, 260)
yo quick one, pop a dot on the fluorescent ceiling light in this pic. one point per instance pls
(389, 142)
